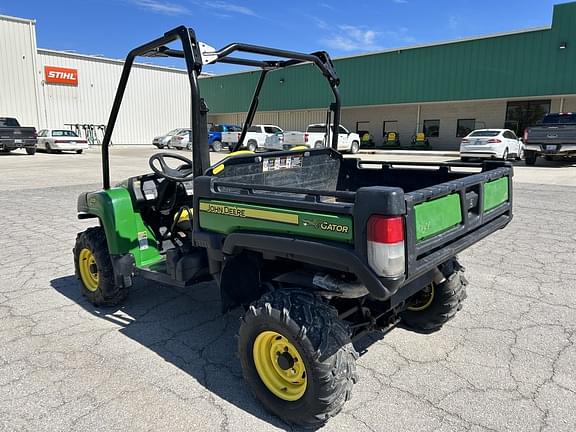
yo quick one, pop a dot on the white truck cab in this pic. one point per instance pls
(315, 137)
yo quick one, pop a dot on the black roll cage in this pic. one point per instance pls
(192, 54)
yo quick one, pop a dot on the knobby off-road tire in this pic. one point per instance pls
(309, 329)
(94, 269)
(439, 303)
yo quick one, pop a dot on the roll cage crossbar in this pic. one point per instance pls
(196, 54)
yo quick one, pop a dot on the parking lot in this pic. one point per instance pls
(166, 359)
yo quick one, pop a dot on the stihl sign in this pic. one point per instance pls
(59, 75)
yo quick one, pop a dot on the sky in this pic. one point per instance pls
(112, 27)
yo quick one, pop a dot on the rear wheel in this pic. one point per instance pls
(94, 269)
(79, 151)
(437, 304)
(297, 356)
(48, 148)
(465, 159)
(505, 155)
(529, 157)
(31, 150)
(318, 144)
(520, 155)
(216, 146)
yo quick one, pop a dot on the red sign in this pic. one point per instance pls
(60, 75)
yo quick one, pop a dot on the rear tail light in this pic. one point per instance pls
(60, 141)
(494, 141)
(239, 135)
(305, 138)
(525, 134)
(465, 141)
(385, 245)
(83, 142)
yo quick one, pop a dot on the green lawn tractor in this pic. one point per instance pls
(318, 249)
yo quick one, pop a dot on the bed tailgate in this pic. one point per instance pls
(443, 220)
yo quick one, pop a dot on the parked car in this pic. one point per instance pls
(269, 137)
(13, 136)
(215, 135)
(491, 144)
(58, 140)
(182, 140)
(315, 137)
(553, 138)
(163, 141)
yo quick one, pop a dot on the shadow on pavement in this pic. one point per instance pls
(186, 328)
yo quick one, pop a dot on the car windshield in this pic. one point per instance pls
(174, 132)
(484, 133)
(64, 133)
(8, 122)
(569, 118)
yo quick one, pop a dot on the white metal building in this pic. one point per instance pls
(147, 110)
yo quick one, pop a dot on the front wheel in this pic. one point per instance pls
(94, 269)
(31, 150)
(437, 303)
(297, 356)
(252, 146)
(354, 147)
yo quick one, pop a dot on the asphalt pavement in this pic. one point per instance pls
(166, 359)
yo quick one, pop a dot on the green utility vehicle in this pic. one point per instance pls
(318, 249)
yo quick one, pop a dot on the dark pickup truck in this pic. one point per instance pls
(13, 136)
(552, 138)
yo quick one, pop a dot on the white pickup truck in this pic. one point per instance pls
(315, 137)
(269, 137)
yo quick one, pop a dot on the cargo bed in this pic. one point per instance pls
(447, 207)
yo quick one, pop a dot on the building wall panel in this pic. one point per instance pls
(156, 100)
(18, 87)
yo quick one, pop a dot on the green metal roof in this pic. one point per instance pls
(528, 63)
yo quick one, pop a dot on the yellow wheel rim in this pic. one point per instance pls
(424, 299)
(88, 269)
(280, 366)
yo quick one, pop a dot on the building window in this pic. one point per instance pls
(431, 128)
(464, 127)
(523, 114)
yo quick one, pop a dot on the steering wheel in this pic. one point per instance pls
(174, 174)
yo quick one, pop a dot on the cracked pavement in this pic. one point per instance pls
(165, 360)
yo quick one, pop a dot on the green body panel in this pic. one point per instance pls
(523, 64)
(227, 217)
(495, 193)
(124, 227)
(436, 216)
